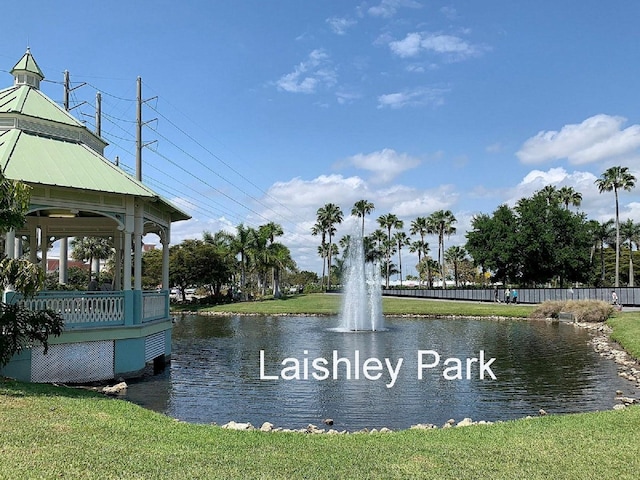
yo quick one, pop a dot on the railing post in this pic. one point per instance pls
(131, 306)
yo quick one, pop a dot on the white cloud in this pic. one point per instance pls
(303, 194)
(451, 46)
(340, 25)
(385, 164)
(413, 98)
(388, 8)
(449, 12)
(310, 74)
(535, 180)
(597, 138)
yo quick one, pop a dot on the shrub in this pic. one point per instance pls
(582, 310)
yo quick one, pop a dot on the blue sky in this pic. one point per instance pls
(267, 110)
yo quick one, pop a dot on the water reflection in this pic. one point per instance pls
(215, 372)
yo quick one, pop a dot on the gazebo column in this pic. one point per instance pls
(126, 261)
(33, 245)
(64, 261)
(165, 239)
(44, 246)
(10, 244)
(117, 277)
(137, 247)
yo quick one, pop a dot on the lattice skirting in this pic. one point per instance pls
(154, 346)
(73, 362)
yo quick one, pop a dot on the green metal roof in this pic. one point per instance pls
(41, 160)
(28, 64)
(41, 143)
(32, 102)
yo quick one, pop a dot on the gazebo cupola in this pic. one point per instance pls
(27, 72)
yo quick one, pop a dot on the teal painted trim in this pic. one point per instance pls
(92, 325)
(113, 333)
(137, 306)
(129, 307)
(129, 355)
(19, 367)
(167, 342)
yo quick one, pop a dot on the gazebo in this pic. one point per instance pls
(77, 192)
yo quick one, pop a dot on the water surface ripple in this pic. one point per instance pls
(214, 375)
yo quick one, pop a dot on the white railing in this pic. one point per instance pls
(81, 308)
(154, 306)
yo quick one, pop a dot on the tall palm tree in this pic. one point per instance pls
(319, 229)
(614, 179)
(328, 216)
(389, 221)
(401, 240)
(441, 224)
(630, 232)
(568, 195)
(362, 208)
(420, 226)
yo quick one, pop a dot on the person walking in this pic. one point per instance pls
(514, 295)
(507, 295)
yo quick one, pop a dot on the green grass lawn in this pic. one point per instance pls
(329, 304)
(58, 432)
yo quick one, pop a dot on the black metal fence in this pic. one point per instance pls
(626, 295)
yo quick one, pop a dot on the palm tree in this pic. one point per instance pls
(374, 244)
(568, 195)
(455, 255)
(614, 179)
(360, 209)
(92, 249)
(279, 257)
(401, 240)
(240, 245)
(550, 194)
(420, 226)
(421, 248)
(344, 243)
(389, 221)
(319, 229)
(270, 231)
(441, 224)
(630, 232)
(601, 233)
(328, 216)
(426, 268)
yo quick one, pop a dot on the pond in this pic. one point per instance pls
(296, 370)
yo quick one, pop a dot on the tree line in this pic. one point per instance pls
(537, 242)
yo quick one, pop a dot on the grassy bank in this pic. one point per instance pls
(329, 304)
(57, 432)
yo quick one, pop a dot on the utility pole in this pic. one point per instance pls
(68, 90)
(139, 132)
(139, 125)
(98, 114)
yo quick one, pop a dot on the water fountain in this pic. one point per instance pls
(362, 297)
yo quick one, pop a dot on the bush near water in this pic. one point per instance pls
(582, 310)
